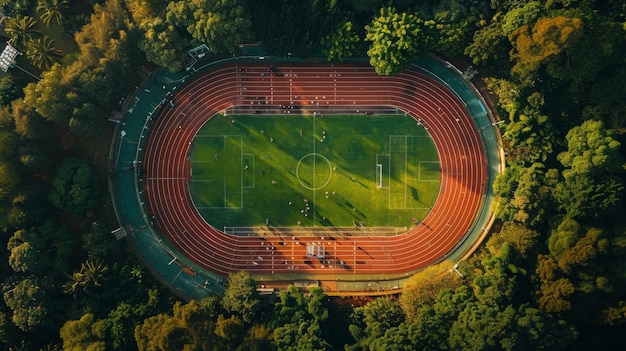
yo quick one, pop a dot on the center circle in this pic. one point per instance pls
(314, 171)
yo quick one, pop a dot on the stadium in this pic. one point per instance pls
(303, 174)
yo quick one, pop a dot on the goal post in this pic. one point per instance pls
(379, 168)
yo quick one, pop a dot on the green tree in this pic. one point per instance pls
(401, 338)
(8, 143)
(33, 156)
(108, 27)
(9, 90)
(241, 296)
(222, 25)
(554, 293)
(484, 327)
(341, 43)
(88, 119)
(591, 186)
(144, 11)
(397, 39)
(541, 331)
(75, 187)
(499, 317)
(451, 30)
(29, 302)
(98, 244)
(9, 333)
(303, 335)
(20, 192)
(147, 334)
(9, 170)
(30, 126)
(258, 338)
(53, 97)
(500, 276)
(578, 280)
(520, 16)
(163, 45)
(27, 251)
(529, 137)
(199, 318)
(62, 247)
(298, 26)
(317, 305)
(605, 99)
(380, 315)
(487, 327)
(14, 7)
(219, 24)
(524, 194)
(299, 321)
(581, 196)
(107, 56)
(545, 40)
(523, 239)
(573, 245)
(53, 10)
(598, 52)
(40, 248)
(91, 275)
(506, 5)
(509, 95)
(190, 327)
(290, 307)
(424, 287)
(490, 46)
(591, 150)
(84, 334)
(21, 30)
(230, 329)
(42, 53)
(427, 330)
(28, 205)
(127, 315)
(450, 303)
(172, 335)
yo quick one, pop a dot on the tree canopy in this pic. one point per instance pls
(219, 24)
(397, 39)
(547, 38)
(341, 43)
(547, 277)
(75, 187)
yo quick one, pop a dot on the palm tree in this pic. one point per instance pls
(42, 53)
(91, 274)
(53, 10)
(21, 29)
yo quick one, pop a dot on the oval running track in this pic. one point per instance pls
(461, 154)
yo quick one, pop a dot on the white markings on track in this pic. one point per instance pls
(168, 178)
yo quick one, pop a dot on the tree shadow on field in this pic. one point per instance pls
(414, 194)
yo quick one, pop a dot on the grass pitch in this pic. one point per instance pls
(305, 170)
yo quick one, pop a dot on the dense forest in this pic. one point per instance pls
(551, 276)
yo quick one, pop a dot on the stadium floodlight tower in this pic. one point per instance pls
(7, 60)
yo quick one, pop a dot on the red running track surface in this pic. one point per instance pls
(461, 154)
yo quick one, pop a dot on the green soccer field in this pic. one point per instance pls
(305, 170)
